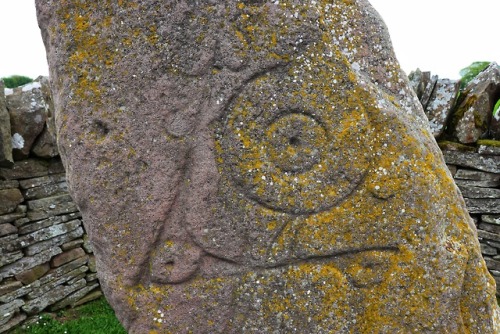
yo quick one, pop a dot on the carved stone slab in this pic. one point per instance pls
(259, 167)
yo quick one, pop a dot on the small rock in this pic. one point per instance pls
(488, 236)
(66, 257)
(6, 229)
(8, 310)
(15, 321)
(91, 277)
(475, 175)
(91, 264)
(9, 199)
(423, 84)
(59, 292)
(28, 262)
(8, 184)
(494, 244)
(91, 296)
(488, 250)
(11, 257)
(488, 150)
(487, 163)
(45, 145)
(33, 274)
(469, 191)
(53, 242)
(495, 272)
(9, 286)
(72, 244)
(492, 219)
(482, 205)
(74, 298)
(31, 168)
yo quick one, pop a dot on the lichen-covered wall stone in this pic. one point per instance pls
(440, 105)
(28, 113)
(45, 145)
(5, 136)
(271, 172)
(474, 114)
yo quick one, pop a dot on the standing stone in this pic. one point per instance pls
(474, 114)
(270, 172)
(5, 136)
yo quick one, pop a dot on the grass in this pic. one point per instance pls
(16, 81)
(96, 317)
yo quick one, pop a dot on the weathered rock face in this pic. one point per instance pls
(5, 137)
(474, 114)
(437, 96)
(45, 145)
(274, 174)
(28, 113)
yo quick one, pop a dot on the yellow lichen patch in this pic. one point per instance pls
(334, 195)
(90, 53)
(153, 37)
(287, 301)
(161, 302)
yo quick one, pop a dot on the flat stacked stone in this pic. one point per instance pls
(478, 178)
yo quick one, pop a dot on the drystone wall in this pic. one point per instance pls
(477, 174)
(46, 262)
(468, 133)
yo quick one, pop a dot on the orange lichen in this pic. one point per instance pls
(323, 241)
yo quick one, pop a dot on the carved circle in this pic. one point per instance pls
(291, 145)
(288, 156)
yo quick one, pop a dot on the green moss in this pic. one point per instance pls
(496, 109)
(489, 142)
(446, 145)
(471, 71)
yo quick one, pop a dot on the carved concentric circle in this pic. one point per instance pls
(292, 141)
(288, 156)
